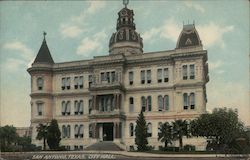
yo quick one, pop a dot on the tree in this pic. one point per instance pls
(141, 133)
(42, 132)
(165, 134)
(221, 127)
(8, 136)
(180, 129)
(54, 135)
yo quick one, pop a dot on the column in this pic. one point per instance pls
(115, 96)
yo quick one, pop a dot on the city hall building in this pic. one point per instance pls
(99, 99)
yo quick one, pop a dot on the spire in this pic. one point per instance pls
(44, 55)
(125, 2)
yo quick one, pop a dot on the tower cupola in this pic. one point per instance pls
(125, 40)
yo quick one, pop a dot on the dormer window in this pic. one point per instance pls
(40, 83)
(188, 42)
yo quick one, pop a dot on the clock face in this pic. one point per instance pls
(124, 12)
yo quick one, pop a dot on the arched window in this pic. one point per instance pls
(76, 107)
(160, 103)
(68, 108)
(192, 100)
(131, 104)
(76, 131)
(80, 132)
(149, 103)
(149, 129)
(64, 131)
(143, 104)
(68, 131)
(131, 129)
(185, 101)
(81, 107)
(166, 102)
(40, 83)
(39, 108)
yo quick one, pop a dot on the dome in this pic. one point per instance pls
(189, 37)
(125, 40)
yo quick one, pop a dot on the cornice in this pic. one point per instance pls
(41, 95)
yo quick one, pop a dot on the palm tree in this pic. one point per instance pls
(42, 131)
(180, 129)
(165, 134)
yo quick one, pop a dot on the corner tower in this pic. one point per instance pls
(125, 40)
(41, 88)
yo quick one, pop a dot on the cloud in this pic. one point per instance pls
(94, 6)
(215, 65)
(12, 64)
(195, 6)
(74, 27)
(212, 34)
(169, 30)
(70, 31)
(94, 43)
(21, 48)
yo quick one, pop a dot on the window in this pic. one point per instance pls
(143, 77)
(68, 83)
(131, 129)
(159, 75)
(131, 77)
(148, 76)
(76, 82)
(113, 76)
(66, 131)
(40, 83)
(192, 100)
(80, 82)
(165, 74)
(166, 102)
(184, 72)
(90, 80)
(78, 107)
(90, 105)
(78, 131)
(39, 108)
(192, 71)
(131, 104)
(160, 103)
(149, 129)
(66, 108)
(143, 104)
(90, 131)
(185, 101)
(63, 83)
(103, 76)
(149, 103)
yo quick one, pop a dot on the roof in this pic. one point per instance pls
(188, 37)
(44, 55)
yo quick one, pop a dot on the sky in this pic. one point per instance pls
(79, 30)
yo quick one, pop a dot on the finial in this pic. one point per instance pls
(44, 34)
(125, 2)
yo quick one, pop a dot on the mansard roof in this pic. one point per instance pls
(189, 37)
(44, 55)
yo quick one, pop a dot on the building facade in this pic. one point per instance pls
(100, 99)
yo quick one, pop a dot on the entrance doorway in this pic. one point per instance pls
(108, 131)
